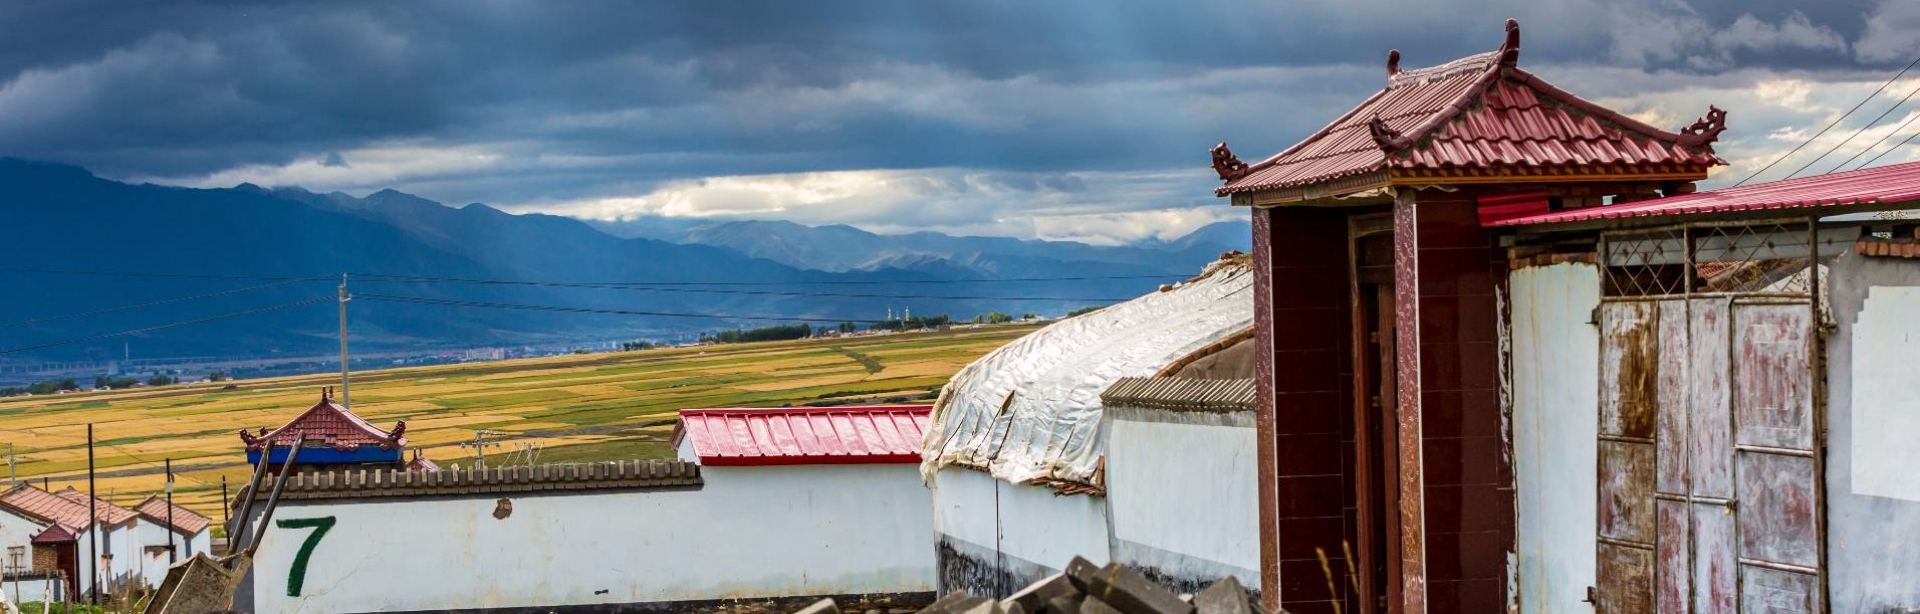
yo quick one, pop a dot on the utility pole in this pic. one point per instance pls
(479, 445)
(11, 480)
(345, 401)
(225, 504)
(170, 556)
(93, 528)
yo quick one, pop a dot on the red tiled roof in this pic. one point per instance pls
(56, 533)
(66, 507)
(422, 464)
(1879, 186)
(805, 436)
(332, 425)
(184, 520)
(1476, 112)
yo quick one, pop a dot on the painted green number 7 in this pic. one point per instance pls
(297, 576)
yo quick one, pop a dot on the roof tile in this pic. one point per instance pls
(805, 436)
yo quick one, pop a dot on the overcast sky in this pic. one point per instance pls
(1057, 119)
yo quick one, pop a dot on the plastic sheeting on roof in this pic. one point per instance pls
(1030, 411)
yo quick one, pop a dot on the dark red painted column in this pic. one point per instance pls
(1305, 375)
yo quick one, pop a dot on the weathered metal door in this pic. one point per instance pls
(1708, 486)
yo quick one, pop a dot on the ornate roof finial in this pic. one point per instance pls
(1386, 137)
(1706, 129)
(1393, 62)
(1510, 50)
(1226, 164)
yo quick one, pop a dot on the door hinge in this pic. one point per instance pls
(1593, 596)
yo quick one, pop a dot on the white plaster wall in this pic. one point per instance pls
(1556, 379)
(1873, 527)
(1033, 523)
(17, 531)
(154, 566)
(40, 590)
(1184, 488)
(750, 532)
(122, 542)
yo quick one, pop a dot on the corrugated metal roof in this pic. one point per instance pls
(66, 507)
(1475, 112)
(329, 424)
(184, 520)
(1882, 185)
(1181, 394)
(806, 435)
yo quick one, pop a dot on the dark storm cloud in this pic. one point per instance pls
(529, 102)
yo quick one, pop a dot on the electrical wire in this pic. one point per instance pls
(639, 288)
(1902, 128)
(224, 316)
(35, 271)
(519, 282)
(1850, 137)
(1836, 122)
(182, 299)
(588, 310)
(1902, 143)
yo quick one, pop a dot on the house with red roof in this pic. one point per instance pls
(336, 439)
(168, 534)
(118, 560)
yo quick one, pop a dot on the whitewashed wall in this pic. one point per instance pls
(996, 536)
(16, 531)
(1873, 412)
(37, 589)
(154, 534)
(1179, 496)
(750, 532)
(1555, 387)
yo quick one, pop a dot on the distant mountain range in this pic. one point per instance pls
(211, 240)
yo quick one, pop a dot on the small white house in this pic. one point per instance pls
(165, 526)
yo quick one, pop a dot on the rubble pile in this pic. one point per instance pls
(1085, 588)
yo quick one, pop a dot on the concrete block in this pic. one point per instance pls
(1128, 591)
(1081, 573)
(823, 606)
(1064, 604)
(1034, 597)
(1093, 605)
(1224, 597)
(953, 603)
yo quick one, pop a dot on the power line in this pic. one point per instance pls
(587, 310)
(182, 299)
(1870, 148)
(1836, 122)
(1850, 137)
(35, 271)
(1903, 143)
(224, 316)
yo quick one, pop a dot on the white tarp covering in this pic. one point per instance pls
(1031, 410)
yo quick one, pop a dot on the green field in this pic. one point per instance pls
(580, 408)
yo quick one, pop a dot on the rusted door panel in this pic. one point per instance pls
(1772, 591)
(1626, 491)
(1715, 567)
(1776, 509)
(1626, 580)
(1710, 437)
(1772, 395)
(1673, 583)
(1674, 398)
(1629, 369)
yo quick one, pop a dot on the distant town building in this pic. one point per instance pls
(336, 440)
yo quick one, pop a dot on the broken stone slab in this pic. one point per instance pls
(1064, 604)
(1224, 597)
(1131, 593)
(823, 606)
(1093, 605)
(1081, 573)
(953, 603)
(1035, 596)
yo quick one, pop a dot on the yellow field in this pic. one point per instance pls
(581, 407)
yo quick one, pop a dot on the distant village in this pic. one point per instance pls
(1494, 350)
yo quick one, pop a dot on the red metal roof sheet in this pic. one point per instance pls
(1475, 112)
(332, 425)
(66, 507)
(184, 520)
(1882, 185)
(805, 435)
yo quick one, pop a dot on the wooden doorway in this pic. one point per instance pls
(1376, 432)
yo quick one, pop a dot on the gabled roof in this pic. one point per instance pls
(805, 435)
(1893, 185)
(184, 521)
(66, 507)
(421, 463)
(1476, 115)
(56, 533)
(328, 424)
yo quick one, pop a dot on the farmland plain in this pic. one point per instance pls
(575, 408)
